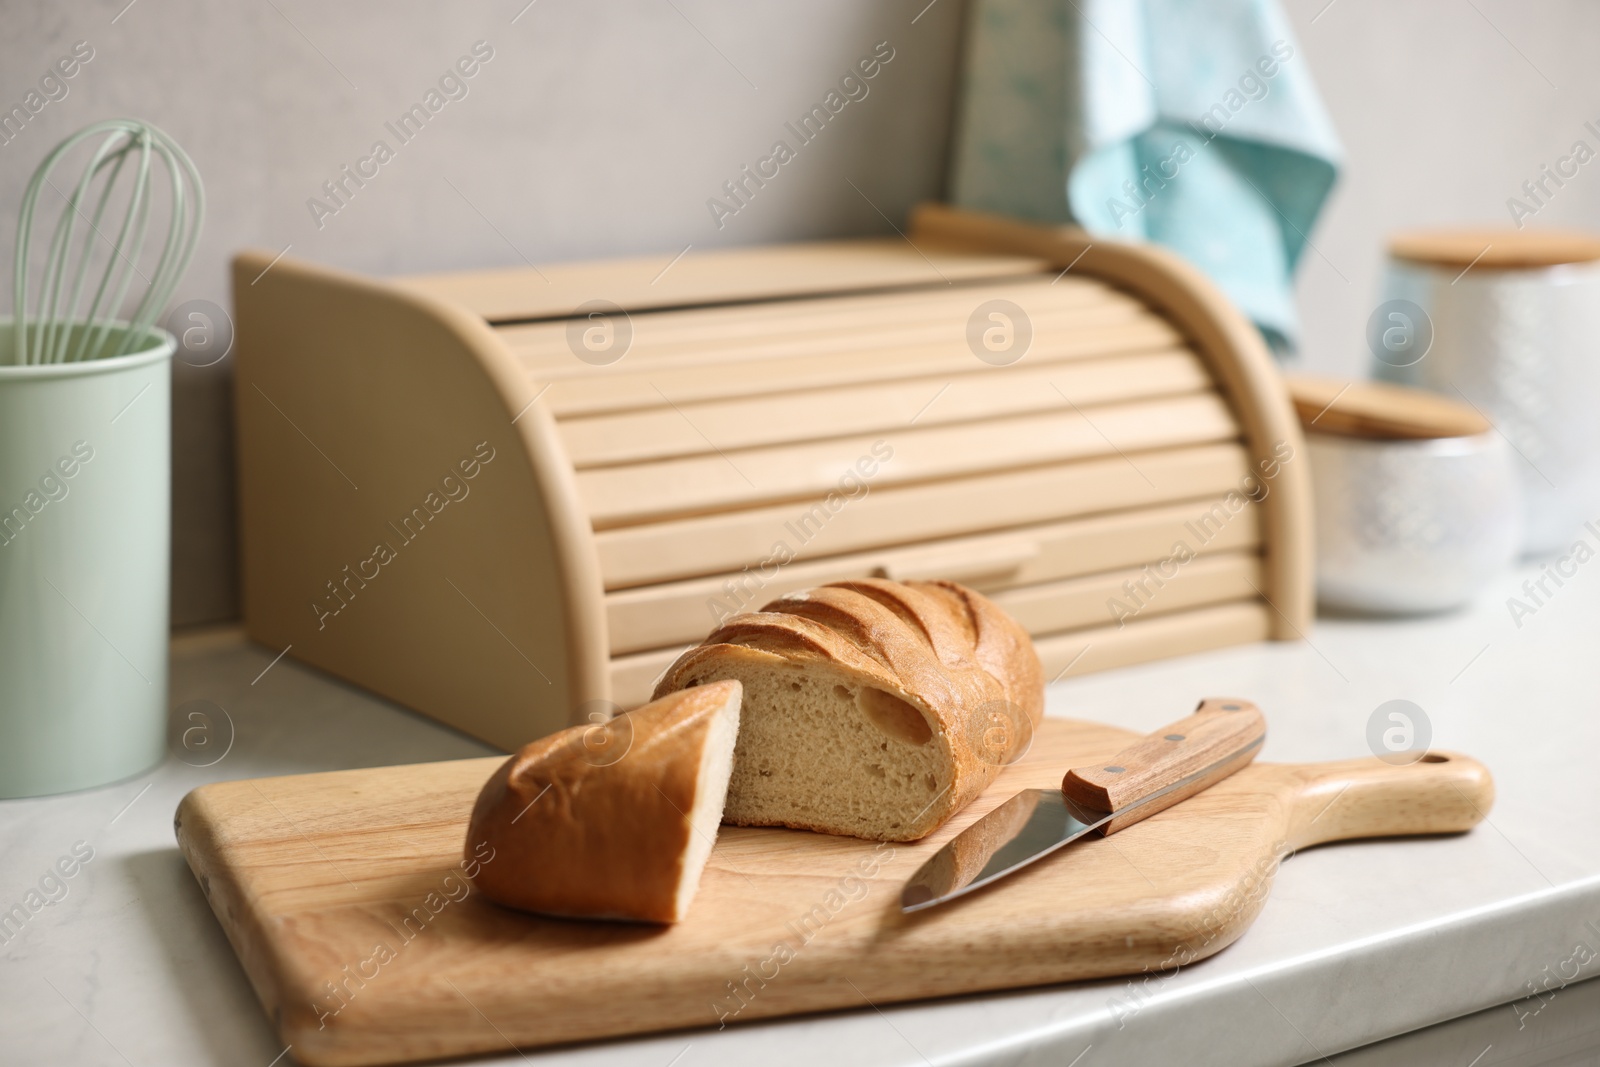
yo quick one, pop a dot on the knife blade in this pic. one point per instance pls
(1149, 776)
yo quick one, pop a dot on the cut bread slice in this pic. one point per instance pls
(615, 820)
(871, 708)
(826, 748)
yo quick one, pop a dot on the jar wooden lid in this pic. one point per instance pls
(1380, 411)
(1494, 249)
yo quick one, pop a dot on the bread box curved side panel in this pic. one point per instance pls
(1232, 349)
(408, 518)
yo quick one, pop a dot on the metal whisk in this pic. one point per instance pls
(56, 333)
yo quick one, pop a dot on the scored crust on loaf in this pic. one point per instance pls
(611, 821)
(872, 708)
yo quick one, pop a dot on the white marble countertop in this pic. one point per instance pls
(1357, 942)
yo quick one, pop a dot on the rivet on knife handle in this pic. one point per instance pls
(1148, 776)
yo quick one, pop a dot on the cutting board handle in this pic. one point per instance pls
(1442, 792)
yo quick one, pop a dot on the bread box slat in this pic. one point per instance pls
(670, 614)
(741, 276)
(1159, 637)
(807, 470)
(1074, 652)
(707, 544)
(782, 417)
(586, 394)
(690, 428)
(799, 326)
(1078, 604)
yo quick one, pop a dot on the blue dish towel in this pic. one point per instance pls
(1191, 123)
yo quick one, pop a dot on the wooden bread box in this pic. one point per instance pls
(504, 501)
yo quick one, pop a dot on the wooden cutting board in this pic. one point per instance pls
(343, 896)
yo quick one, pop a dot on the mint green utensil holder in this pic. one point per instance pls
(85, 528)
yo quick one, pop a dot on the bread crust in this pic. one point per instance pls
(950, 652)
(1005, 649)
(593, 821)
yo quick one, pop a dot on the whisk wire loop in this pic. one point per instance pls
(51, 331)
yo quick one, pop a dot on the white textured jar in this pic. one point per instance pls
(1416, 526)
(1512, 326)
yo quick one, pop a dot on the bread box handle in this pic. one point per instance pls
(965, 564)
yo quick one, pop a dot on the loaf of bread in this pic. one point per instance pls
(612, 821)
(872, 708)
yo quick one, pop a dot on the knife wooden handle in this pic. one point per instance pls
(1223, 734)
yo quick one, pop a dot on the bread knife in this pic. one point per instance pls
(1148, 776)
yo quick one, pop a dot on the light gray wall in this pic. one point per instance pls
(1445, 109)
(603, 128)
(596, 129)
